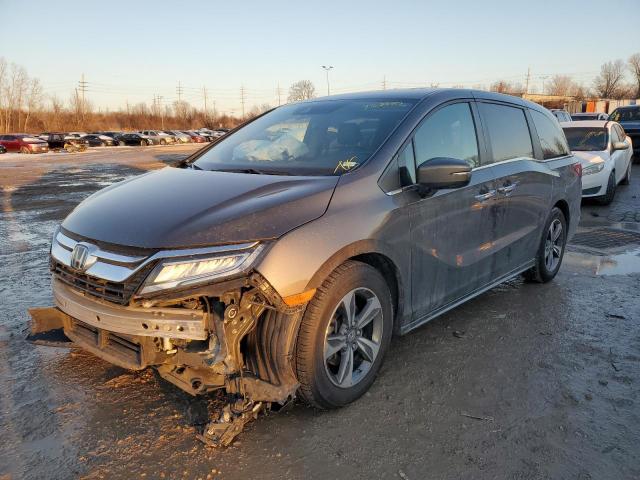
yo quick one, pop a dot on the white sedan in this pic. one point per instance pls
(605, 153)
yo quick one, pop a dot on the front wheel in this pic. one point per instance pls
(344, 335)
(551, 249)
(610, 193)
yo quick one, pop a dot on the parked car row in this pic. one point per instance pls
(79, 141)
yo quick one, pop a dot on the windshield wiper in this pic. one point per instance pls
(253, 171)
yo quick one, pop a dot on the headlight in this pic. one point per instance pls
(172, 273)
(593, 168)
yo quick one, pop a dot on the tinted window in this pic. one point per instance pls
(407, 166)
(625, 115)
(552, 139)
(587, 139)
(449, 132)
(508, 131)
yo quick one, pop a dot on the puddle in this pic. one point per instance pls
(619, 264)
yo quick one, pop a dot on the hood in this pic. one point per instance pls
(182, 208)
(591, 157)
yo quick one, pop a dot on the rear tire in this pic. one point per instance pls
(609, 195)
(339, 355)
(551, 249)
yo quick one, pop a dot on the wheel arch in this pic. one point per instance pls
(374, 254)
(564, 208)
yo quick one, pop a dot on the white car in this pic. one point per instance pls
(605, 153)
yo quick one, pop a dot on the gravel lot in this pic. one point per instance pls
(525, 382)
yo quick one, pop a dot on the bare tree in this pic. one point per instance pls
(33, 99)
(634, 66)
(502, 86)
(561, 85)
(607, 84)
(301, 90)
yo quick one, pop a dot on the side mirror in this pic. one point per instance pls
(441, 172)
(620, 145)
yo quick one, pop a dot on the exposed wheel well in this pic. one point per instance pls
(564, 207)
(388, 270)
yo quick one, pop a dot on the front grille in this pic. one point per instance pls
(116, 292)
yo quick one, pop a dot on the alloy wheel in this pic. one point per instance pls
(353, 337)
(553, 245)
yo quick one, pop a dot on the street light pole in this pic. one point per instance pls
(326, 69)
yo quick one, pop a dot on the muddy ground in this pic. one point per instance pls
(525, 382)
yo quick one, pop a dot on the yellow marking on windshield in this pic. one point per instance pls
(346, 164)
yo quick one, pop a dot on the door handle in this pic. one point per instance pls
(507, 189)
(483, 197)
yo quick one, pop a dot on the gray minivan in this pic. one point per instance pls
(281, 259)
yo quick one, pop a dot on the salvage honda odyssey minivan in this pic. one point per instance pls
(280, 260)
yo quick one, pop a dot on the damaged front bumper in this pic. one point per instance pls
(240, 340)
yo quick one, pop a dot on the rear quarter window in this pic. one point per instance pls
(552, 139)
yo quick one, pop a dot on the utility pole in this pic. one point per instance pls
(204, 94)
(179, 90)
(544, 77)
(242, 99)
(384, 82)
(526, 88)
(278, 92)
(161, 107)
(82, 86)
(326, 68)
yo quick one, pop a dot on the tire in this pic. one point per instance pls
(607, 198)
(143, 143)
(627, 177)
(24, 150)
(163, 141)
(544, 271)
(322, 383)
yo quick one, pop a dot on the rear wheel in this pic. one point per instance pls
(607, 198)
(24, 150)
(551, 249)
(344, 335)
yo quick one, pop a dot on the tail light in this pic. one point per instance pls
(577, 167)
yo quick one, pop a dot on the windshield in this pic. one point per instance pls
(327, 137)
(586, 139)
(626, 115)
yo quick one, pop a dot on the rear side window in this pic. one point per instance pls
(508, 131)
(449, 132)
(552, 140)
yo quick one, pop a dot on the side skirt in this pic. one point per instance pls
(436, 313)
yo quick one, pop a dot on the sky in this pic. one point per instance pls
(130, 51)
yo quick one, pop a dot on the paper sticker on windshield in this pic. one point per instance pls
(346, 165)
